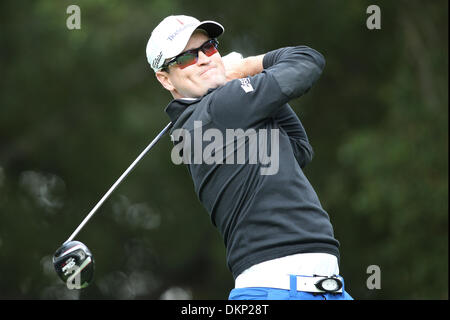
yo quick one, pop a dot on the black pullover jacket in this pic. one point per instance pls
(264, 208)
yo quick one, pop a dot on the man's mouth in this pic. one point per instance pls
(206, 71)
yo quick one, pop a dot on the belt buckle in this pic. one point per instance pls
(329, 284)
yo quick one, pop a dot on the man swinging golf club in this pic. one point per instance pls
(279, 240)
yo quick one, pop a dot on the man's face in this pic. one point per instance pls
(195, 80)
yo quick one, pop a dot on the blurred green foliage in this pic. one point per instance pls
(77, 106)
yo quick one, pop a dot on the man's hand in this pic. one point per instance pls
(236, 67)
(232, 63)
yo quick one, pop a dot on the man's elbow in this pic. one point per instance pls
(317, 64)
(303, 152)
(308, 155)
(320, 61)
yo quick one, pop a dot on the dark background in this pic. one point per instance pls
(78, 106)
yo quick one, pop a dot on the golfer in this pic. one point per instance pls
(279, 240)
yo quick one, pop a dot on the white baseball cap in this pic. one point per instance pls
(172, 34)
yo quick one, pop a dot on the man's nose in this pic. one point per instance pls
(203, 58)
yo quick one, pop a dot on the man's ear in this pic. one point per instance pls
(163, 78)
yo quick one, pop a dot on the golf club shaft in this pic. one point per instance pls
(117, 183)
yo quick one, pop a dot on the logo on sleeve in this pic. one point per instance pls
(246, 85)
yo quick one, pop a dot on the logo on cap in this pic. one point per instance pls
(155, 62)
(173, 35)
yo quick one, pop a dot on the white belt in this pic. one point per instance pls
(304, 283)
(275, 273)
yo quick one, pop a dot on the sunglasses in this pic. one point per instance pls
(190, 57)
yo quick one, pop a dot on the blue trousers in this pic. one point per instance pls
(260, 293)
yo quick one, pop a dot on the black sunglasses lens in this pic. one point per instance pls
(210, 48)
(190, 57)
(187, 59)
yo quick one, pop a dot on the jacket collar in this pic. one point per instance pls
(177, 106)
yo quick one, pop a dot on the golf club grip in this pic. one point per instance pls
(117, 183)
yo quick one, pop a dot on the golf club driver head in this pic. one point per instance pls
(74, 264)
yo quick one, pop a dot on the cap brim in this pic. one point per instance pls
(213, 28)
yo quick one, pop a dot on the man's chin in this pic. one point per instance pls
(217, 81)
(214, 84)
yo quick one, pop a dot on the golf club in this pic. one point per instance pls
(74, 264)
(73, 261)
